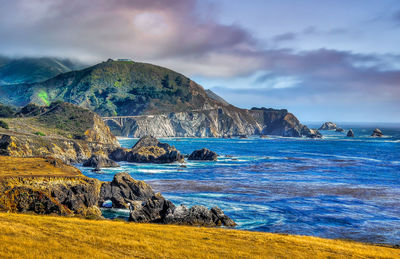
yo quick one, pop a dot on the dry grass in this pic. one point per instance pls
(22, 167)
(28, 236)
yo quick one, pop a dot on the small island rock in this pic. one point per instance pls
(328, 126)
(203, 154)
(350, 133)
(377, 133)
(339, 130)
(148, 150)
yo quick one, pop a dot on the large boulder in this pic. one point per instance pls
(148, 150)
(123, 191)
(197, 215)
(99, 161)
(203, 154)
(377, 133)
(328, 126)
(148, 207)
(350, 133)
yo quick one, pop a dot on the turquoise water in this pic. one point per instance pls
(335, 187)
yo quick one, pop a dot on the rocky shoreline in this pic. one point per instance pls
(73, 194)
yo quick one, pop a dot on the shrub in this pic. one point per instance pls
(3, 125)
(39, 133)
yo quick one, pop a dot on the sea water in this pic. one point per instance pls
(335, 187)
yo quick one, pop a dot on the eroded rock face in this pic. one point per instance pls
(148, 150)
(350, 133)
(377, 133)
(203, 154)
(51, 195)
(124, 190)
(328, 126)
(223, 121)
(99, 161)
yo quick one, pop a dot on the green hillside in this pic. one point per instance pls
(30, 70)
(115, 88)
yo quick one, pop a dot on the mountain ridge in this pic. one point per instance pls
(128, 88)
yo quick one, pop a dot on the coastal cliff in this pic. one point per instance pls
(61, 130)
(221, 122)
(48, 186)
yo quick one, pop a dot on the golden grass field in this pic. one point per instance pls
(22, 167)
(31, 236)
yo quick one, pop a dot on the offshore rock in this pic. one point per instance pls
(149, 207)
(99, 161)
(203, 154)
(124, 190)
(328, 126)
(377, 133)
(148, 150)
(350, 133)
(339, 130)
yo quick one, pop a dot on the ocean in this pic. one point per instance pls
(335, 187)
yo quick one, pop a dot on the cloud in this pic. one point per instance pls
(140, 29)
(289, 36)
(180, 35)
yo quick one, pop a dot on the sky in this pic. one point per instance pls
(331, 60)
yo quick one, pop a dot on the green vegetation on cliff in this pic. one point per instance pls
(114, 88)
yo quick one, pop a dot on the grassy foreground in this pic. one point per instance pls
(29, 236)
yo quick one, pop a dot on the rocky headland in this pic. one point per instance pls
(60, 130)
(48, 186)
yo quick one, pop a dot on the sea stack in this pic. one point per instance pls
(350, 133)
(328, 126)
(377, 133)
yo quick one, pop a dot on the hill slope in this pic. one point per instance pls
(115, 88)
(27, 236)
(30, 70)
(127, 88)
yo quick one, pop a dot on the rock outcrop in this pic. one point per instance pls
(100, 161)
(328, 126)
(148, 150)
(60, 130)
(149, 207)
(339, 130)
(377, 133)
(50, 187)
(203, 154)
(350, 133)
(197, 215)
